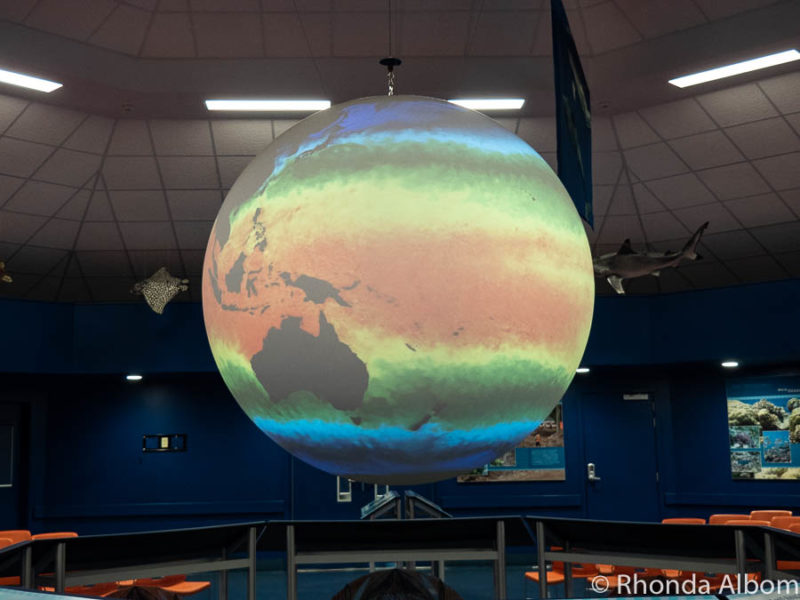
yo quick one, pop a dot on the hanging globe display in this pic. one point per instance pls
(397, 290)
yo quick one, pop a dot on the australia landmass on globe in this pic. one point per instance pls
(404, 296)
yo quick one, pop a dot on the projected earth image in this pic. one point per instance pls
(397, 290)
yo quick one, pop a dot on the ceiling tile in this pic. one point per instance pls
(432, 33)
(646, 202)
(603, 137)
(194, 205)
(654, 161)
(123, 31)
(230, 167)
(280, 126)
(718, 217)
(46, 124)
(662, 226)
(46, 290)
(706, 274)
(169, 36)
(21, 158)
(737, 105)
(779, 238)
(711, 149)
(91, 136)
(130, 138)
(57, 233)
(112, 289)
(283, 35)
(10, 109)
(104, 263)
(148, 236)
(74, 290)
(671, 281)
(765, 138)
(75, 209)
(509, 123)
(606, 168)
(731, 244)
(641, 286)
(734, 181)
(193, 259)
(601, 197)
(9, 185)
(497, 33)
(715, 9)
(542, 38)
(678, 119)
(633, 131)
(131, 172)
(71, 19)
(99, 236)
(539, 133)
(40, 198)
(99, 208)
(318, 30)
(241, 136)
(144, 205)
(657, 17)
(181, 137)
(70, 168)
(147, 262)
(15, 10)
(782, 172)
(622, 202)
(617, 229)
(360, 34)
(790, 262)
(757, 268)
(609, 27)
(22, 284)
(196, 172)
(794, 121)
(227, 35)
(38, 261)
(225, 5)
(193, 235)
(783, 91)
(792, 198)
(755, 211)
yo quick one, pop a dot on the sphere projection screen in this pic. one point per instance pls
(397, 290)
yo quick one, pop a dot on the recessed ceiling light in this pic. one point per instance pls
(133, 377)
(269, 105)
(28, 81)
(730, 364)
(489, 103)
(746, 66)
(582, 370)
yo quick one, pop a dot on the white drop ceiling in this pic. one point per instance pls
(122, 170)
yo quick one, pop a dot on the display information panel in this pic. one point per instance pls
(764, 427)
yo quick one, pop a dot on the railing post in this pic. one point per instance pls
(252, 554)
(223, 578)
(291, 565)
(769, 556)
(500, 562)
(741, 553)
(540, 549)
(567, 573)
(27, 568)
(61, 567)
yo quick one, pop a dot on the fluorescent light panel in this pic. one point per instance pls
(489, 103)
(28, 81)
(582, 370)
(737, 68)
(133, 377)
(730, 364)
(269, 105)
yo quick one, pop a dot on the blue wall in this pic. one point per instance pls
(87, 471)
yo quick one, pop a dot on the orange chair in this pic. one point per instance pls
(684, 521)
(54, 535)
(9, 538)
(612, 580)
(747, 522)
(722, 518)
(177, 584)
(766, 515)
(784, 522)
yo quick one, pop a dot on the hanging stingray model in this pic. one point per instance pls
(160, 288)
(3, 275)
(626, 263)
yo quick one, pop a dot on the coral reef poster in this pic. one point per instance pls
(539, 457)
(764, 428)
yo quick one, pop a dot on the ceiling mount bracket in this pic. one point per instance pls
(390, 63)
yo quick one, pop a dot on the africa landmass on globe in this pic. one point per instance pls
(397, 290)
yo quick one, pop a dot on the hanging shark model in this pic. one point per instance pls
(626, 263)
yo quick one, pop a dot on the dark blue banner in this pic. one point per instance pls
(573, 116)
